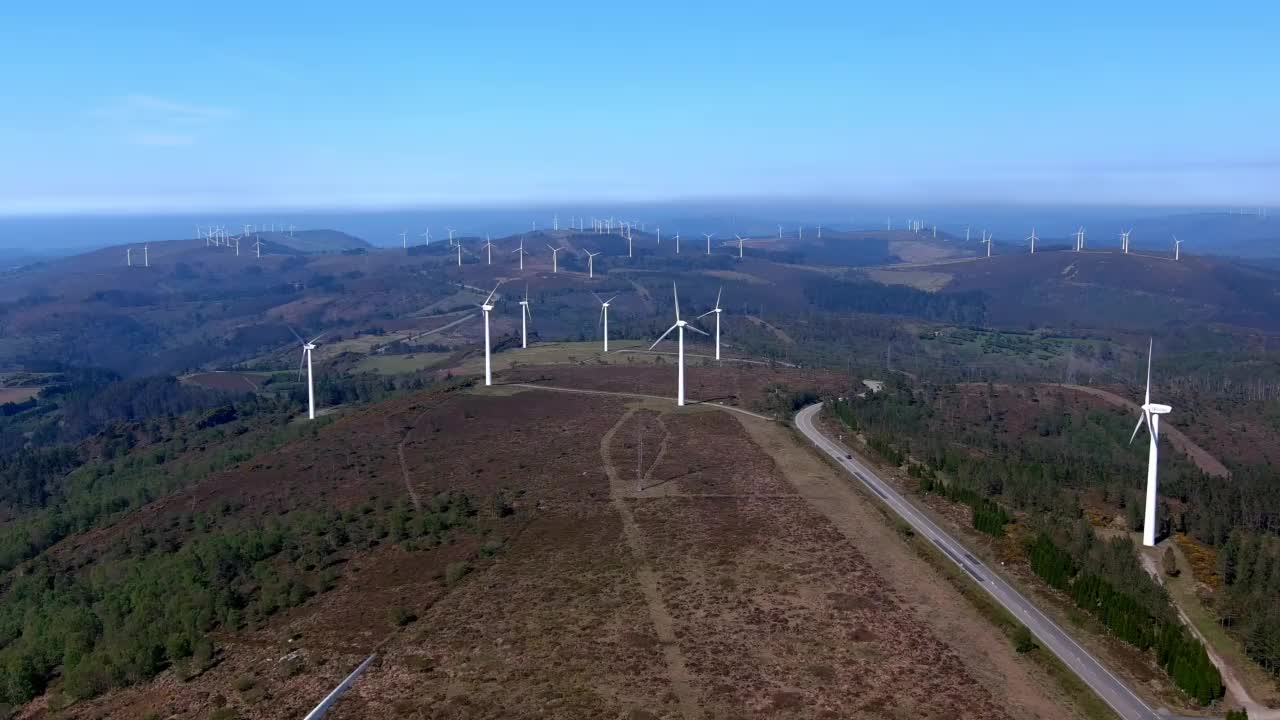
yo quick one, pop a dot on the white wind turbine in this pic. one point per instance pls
(987, 239)
(1150, 416)
(739, 246)
(604, 317)
(1177, 248)
(404, 240)
(629, 241)
(520, 252)
(966, 233)
(525, 315)
(128, 257)
(459, 246)
(779, 232)
(257, 245)
(555, 265)
(146, 254)
(1124, 241)
(679, 327)
(427, 236)
(659, 229)
(677, 243)
(708, 236)
(1032, 237)
(591, 267)
(486, 307)
(307, 347)
(488, 248)
(717, 310)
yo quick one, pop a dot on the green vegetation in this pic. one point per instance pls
(155, 598)
(1103, 578)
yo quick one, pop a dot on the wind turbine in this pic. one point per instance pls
(307, 347)
(677, 243)
(1177, 248)
(450, 236)
(966, 233)
(525, 315)
(520, 251)
(128, 257)
(1150, 416)
(1124, 241)
(628, 241)
(488, 247)
(987, 239)
(679, 327)
(739, 246)
(146, 254)
(659, 229)
(779, 232)
(1033, 239)
(555, 266)
(427, 236)
(487, 307)
(708, 236)
(257, 244)
(819, 232)
(459, 246)
(717, 312)
(404, 240)
(591, 268)
(604, 317)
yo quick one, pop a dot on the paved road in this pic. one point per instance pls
(1116, 694)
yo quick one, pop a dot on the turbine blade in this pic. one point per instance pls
(1141, 419)
(690, 327)
(319, 336)
(676, 294)
(301, 361)
(597, 297)
(662, 337)
(718, 293)
(705, 314)
(1150, 348)
(615, 297)
(295, 334)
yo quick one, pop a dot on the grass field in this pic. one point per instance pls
(560, 353)
(399, 364)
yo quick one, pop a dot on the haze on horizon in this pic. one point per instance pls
(161, 108)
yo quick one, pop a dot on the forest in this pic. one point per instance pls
(1039, 482)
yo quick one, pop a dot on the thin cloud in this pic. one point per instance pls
(153, 121)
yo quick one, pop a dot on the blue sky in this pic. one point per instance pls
(160, 106)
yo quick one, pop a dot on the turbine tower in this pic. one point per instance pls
(488, 248)
(1033, 239)
(779, 232)
(717, 312)
(307, 347)
(679, 327)
(426, 236)
(520, 252)
(739, 246)
(459, 246)
(1124, 241)
(525, 316)
(486, 307)
(146, 254)
(604, 317)
(591, 267)
(1177, 248)
(708, 236)
(987, 239)
(404, 240)
(128, 257)
(1150, 417)
(555, 266)
(677, 243)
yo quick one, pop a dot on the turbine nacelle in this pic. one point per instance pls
(1157, 409)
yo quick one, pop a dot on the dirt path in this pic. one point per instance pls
(640, 396)
(1235, 687)
(657, 460)
(1028, 692)
(677, 669)
(1201, 457)
(404, 465)
(643, 293)
(776, 331)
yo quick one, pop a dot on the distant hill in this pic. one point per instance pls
(1247, 236)
(312, 241)
(1106, 289)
